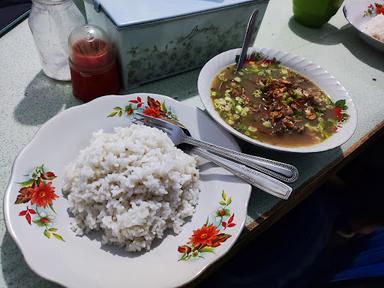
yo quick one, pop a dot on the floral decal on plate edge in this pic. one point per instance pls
(37, 194)
(374, 9)
(152, 108)
(210, 236)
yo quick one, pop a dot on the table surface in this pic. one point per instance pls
(28, 99)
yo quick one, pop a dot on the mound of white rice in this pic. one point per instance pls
(375, 27)
(131, 185)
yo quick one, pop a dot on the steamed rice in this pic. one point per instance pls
(131, 185)
(375, 27)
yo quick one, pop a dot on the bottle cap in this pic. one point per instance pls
(90, 49)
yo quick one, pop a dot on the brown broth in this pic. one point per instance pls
(274, 104)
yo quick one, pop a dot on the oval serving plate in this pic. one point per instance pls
(354, 12)
(45, 237)
(318, 75)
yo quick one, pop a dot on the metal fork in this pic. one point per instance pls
(278, 170)
(253, 177)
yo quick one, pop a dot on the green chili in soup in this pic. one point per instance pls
(274, 104)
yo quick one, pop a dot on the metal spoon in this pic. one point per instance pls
(179, 135)
(258, 179)
(247, 39)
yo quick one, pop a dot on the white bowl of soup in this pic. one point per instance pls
(277, 100)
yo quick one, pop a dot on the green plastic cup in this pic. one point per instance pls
(314, 13)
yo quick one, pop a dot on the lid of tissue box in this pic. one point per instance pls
(130, 12)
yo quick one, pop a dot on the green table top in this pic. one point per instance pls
(28, 99)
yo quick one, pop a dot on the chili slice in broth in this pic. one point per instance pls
(274, 104)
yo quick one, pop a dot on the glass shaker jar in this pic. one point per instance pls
(51, 22)
(93, 63)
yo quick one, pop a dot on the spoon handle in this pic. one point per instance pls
(247, 39)
(276, 169)
(253, 177)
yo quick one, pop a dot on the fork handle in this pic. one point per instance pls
(253, 177)
(276, 169)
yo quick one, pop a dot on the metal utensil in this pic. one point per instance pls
(278, 170)
(263, 182)
(247, 39)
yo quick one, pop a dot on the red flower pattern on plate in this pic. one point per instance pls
(374, 9)
(27, 213)
(152, 112)
(43, 195)
(204, 236)
(152, 108)
(207, 238)
(39, 192)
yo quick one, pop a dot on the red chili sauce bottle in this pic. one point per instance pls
(93, 63)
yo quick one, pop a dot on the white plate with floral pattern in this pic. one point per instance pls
(328, 83)
(359, 13)
(37, 218)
